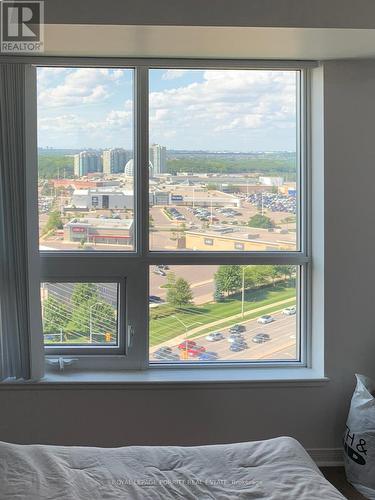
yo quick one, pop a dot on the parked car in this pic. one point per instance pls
(290, 311)
(187, 344)
(235, 337)
(208, 356)
(155, 299)
(238, 346)
(196, 350)
(215, 336)
(165, 353)
(160, 272)
(237, 328)
(267, 318)
(260, 338)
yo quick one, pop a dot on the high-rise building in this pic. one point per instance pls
(114, 160)
(87, 162)
(158, 158)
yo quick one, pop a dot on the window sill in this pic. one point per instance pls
(169, 378)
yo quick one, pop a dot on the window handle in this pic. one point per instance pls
(131, 333)
(61, 362)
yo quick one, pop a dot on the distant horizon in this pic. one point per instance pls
(52, 148)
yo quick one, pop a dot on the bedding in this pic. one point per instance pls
(275, 469)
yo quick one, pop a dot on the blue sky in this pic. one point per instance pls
(232, 110)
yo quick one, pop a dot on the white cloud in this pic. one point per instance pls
(228, 109)
(79, 86)
(225, 103)
(173, 74)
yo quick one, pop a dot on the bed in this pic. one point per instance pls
(275, 469)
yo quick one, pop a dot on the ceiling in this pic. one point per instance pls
(209, 42)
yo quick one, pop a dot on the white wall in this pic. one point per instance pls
(314, 415)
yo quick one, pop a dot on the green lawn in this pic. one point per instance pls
(165, 328)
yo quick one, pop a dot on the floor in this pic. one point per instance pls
(336, 476)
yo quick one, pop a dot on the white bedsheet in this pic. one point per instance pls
(275, 469)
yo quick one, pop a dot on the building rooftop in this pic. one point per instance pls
(100, 222)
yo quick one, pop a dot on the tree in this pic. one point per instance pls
(287, 271)
(261, 221)
(228, 279)
(179, 294)
(54, 222)
(103, 320)
(56, 315)
(54, 167)
(83, 293)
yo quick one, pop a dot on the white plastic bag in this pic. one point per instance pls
(359, 438)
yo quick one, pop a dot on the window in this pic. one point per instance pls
(173, 213)
(81, 315)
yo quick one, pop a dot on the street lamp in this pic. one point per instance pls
(186, 329)
(243, 290)
(90, 321)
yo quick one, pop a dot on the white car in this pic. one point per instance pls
(290, 311)
(214, 336)
(263, 320)
(235, 337)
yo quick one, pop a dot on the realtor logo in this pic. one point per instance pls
(22, 26)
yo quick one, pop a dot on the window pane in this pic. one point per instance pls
(223, 160)
(224, 313)
(85, 159)
(80, 313)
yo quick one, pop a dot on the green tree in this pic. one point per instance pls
(54, 222)
(288, 271)
(179, 293)
(54, 167)
(56, 315)
(84, 293)
(228, 279)
(103, 320)
(261, 221)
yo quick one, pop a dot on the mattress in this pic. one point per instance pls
(275, 469)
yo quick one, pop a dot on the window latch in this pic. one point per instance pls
(131, 333)
(61, 362)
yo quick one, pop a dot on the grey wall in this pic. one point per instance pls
(288, 13)
(314, 415)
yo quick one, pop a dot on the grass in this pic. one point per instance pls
(168, 327)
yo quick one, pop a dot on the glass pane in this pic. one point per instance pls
(80, 313)
(223, 160)
(224, 313)
(85, 159)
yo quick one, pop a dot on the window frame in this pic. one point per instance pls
(133, 266)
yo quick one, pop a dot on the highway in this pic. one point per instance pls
(282, 344)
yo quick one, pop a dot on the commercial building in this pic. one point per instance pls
(225, 238)
(97, 230)
(87, 162)
(129, 169)
(158, 158)
(82, 183)
(192, 196)
(102, 198)
(114, 160)
(271, 181)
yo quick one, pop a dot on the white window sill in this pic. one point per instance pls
(197, 378)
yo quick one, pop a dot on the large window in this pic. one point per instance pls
(173, 213)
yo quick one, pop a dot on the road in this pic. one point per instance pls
(282, 344)
(199, 277)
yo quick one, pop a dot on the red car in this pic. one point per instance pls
(196, 351)
(187, 344)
